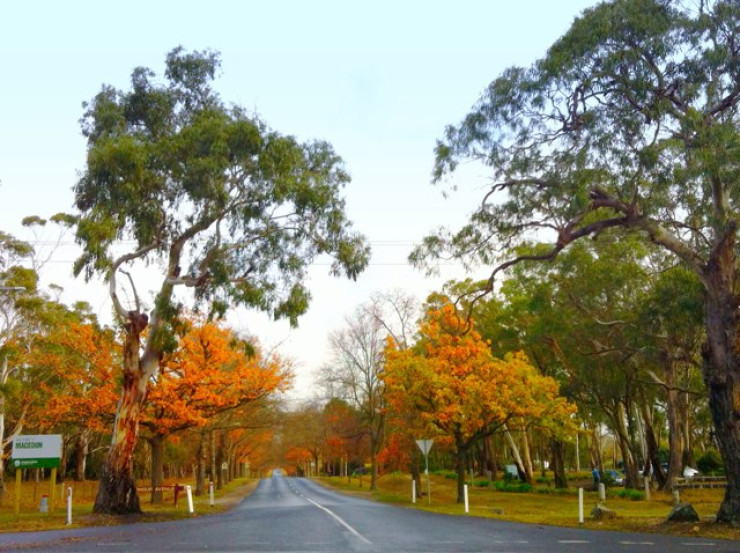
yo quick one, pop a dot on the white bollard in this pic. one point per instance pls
(212, 499)
(465, 493)
(602, 491)
(676, 497)
(580, 505)
(189, 491)
(69, 505)
(413, 491)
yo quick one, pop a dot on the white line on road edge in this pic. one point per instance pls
(340, 521)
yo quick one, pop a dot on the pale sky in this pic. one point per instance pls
(378, 80)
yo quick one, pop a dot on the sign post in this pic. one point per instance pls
(425, 446)
(35, 451)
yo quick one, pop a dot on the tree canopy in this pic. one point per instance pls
(630, 121)
(217, 201)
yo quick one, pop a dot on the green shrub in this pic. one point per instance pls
(481, 483)
(710, 462)
(634, 495)
(513, 488)
(557, 491)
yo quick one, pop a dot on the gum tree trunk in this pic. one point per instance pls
(200, 471)
(83, 446)
(721, 367)
(653, 457)
(117, 491)
(462, 455)
(157, 477)
(674, 426)
(557, 447)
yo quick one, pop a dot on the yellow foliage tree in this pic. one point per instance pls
(458, 389)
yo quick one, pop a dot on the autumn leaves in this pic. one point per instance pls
(450, 384)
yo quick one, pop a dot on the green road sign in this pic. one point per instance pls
(50, 463)
(36, 451)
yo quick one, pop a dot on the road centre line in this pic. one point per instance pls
(340, 521)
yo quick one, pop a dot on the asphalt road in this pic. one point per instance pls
(294, 514)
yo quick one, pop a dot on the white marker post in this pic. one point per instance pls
(413, 491)
(602, 491)
(189, 491)
(465, 494)
(580, 505)
(69, 506)
(212, 499)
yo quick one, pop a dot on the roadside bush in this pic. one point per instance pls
(634, 495)
(710, 462)
(557, 491)
(513, 488)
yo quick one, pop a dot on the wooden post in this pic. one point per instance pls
(53, 489)
(17, 491)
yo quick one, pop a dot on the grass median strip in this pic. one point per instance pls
(30, 519)
(545, 505)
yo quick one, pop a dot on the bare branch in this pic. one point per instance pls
(115, 266)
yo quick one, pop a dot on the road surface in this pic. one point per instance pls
(298, 515)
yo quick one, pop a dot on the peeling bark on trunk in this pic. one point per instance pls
(652, 446)
(721, 366)
(515, 453)
(528, 465)
(673, 418)
(630, 465)
(117, 491)
(83, 447)
(595, 448)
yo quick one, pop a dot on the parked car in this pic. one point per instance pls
(689, 472)
(611, 475)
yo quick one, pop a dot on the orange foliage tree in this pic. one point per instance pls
(458, 389)
(211, 372)
(78, 395)
(298, 459)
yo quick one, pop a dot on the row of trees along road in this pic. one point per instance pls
(228, 208)
(60, 376)
(622, 342)
(628, 125)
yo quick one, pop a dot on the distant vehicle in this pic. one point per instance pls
(689, 472)
(614, 476)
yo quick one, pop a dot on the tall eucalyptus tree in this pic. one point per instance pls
(213, 201)
(629, 121)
